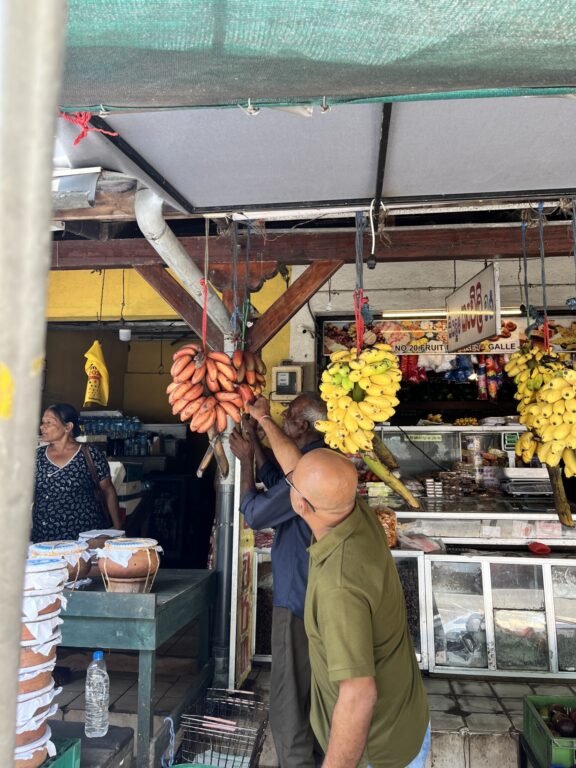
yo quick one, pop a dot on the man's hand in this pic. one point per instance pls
(259, 408)
(249, 427)
(242, 447)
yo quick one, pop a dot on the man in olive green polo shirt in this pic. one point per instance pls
(369, 706)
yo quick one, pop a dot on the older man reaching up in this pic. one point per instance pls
(369, 705)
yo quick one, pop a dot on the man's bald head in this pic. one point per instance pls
(328, 480)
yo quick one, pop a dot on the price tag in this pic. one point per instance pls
(510, 440)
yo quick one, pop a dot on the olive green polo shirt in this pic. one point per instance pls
(355, 618)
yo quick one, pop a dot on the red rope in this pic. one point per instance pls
(204, 285)
(82, 119)
(359, 302)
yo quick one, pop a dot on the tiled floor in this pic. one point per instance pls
(462, 706)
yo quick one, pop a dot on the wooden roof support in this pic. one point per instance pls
(180, 301)
(294, 298)
(307, 247)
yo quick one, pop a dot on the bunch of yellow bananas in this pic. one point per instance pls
(359, 390)
(531, 368)
(547, 407)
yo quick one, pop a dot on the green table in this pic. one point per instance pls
(95, 618)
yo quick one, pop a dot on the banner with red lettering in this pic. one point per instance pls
(473, 310)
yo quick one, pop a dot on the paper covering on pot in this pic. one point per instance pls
(34, 605)
(45, 575)
(28, 751)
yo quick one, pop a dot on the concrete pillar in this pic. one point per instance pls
(31, 54)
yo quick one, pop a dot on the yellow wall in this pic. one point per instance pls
(137, 379)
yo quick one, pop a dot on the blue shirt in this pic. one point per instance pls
(273, 509)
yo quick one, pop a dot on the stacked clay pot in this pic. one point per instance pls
(42, 602)
(129, 565)
(74, 553)
(95, 541)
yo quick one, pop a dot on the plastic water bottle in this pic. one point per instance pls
(97, 697)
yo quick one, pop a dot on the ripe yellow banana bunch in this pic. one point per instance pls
(359, 390)
(551, 419)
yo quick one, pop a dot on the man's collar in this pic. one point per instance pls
(322, 549)
(316, 443)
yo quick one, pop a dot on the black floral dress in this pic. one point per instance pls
(64, 499)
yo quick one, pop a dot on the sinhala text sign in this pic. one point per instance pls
(473, 311)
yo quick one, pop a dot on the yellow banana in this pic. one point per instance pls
(350, 422)
(562, 431)
(343, 354)
(569, 459)
(325, 426)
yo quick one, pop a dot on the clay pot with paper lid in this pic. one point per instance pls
(39, 679)
(129, 559)
(71, 551)
(27, 737)
(33, 754)
(30, 656)
(31, 628)
(38, 757)
(44, 575)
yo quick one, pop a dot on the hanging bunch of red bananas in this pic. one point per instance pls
(208, 387)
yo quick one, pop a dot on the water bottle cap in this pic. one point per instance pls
(97, 655)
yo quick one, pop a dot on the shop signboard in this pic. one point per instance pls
(423, 336)
(473, 310)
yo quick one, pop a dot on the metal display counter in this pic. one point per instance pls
(498, 615)
(487, 522)
(95, 618)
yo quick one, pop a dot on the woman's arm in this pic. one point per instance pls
(111, 500)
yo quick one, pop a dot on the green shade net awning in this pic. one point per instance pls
(146, 54)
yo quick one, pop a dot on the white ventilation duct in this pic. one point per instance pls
(148, 209)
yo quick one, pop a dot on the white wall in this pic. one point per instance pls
(425, 285)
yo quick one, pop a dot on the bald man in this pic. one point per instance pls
(369, 705)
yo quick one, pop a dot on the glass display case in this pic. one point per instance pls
(502, 615)
(410, 567)
(428, 449)
(495, 521)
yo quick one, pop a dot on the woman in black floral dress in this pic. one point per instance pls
(64, 500)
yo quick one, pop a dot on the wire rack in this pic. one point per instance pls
(227, 730)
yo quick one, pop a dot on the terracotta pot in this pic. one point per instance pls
(77, 569)
(27, 631)
(94, 572)
(143, 563)
(30, 658)
(41, 680)
(53, 607)
(27, 737)
(44, 569)
(38, 757)
(98, 541)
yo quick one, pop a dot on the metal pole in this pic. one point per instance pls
(31, 54)
(224, 544)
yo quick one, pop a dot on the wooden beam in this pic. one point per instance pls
(110, 206)
(293, 299)
(180, 301)
(405, 244)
